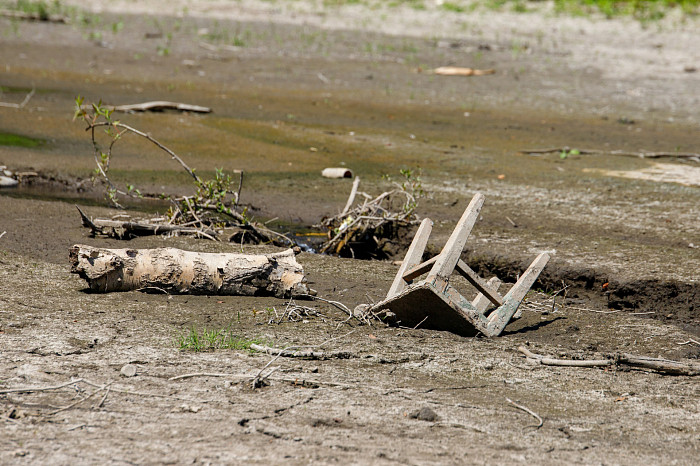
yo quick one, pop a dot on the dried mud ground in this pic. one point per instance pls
(297, 87)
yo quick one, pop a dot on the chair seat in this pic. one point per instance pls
(423, 305)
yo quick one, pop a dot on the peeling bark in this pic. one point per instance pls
(185, 272)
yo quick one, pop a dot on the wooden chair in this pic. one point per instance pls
(435, 303)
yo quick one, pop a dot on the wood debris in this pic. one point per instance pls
(664, 366)
(370, 227)
(155, 106)
(460, 71)
(176, 271)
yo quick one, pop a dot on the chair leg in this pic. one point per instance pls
(498, 320)
(413, 256)
(481, 302)
(450, 254)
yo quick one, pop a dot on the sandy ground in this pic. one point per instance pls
(351, 82)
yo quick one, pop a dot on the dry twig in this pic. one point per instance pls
(530, 412)
(21, 104)
(641, 154)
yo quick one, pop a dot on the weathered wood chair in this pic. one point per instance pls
(435, 303)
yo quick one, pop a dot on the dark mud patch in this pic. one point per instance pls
(665, 300)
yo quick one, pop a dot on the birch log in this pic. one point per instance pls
(185, 272)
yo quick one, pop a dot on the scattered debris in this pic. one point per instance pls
(215, 202)
(336, 173)
(173, 270)
(665, 366)
(373, 227)
(435, 303)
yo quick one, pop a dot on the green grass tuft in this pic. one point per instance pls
(212, 339)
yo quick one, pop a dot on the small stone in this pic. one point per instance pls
(425, 414)
(7, 182)
(128, 370)
(185, 408)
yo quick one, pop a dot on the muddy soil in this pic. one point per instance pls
(297, 87)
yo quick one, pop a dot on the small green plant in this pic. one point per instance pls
(453, 7)
(117, 27)
(411, 186)
(565, 153)
(212, 339)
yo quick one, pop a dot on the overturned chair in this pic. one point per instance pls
(434, 303)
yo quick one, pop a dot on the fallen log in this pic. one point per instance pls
(185, 272)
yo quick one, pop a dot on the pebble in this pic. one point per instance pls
(128, 370)
(425, 414)
(7, 182)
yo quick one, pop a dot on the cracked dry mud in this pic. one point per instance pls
(628, 222)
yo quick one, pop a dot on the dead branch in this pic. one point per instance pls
(24, 16)
(40, 389)
(296, 381)
(125, 230)
(530, 412)
(545, 361)
(132, 392)
(641, 154)
(155, 106)
(172, 154)
(664, 366)
(72, 405)
(302, 354)
(294, 312)
(337, 304)
(26, 100)
(351, 198)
